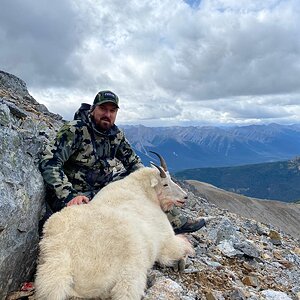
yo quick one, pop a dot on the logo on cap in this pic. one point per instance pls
(109, 94)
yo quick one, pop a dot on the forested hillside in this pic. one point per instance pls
(276, 180)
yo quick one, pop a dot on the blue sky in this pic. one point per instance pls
(172, 62)
(193, 3)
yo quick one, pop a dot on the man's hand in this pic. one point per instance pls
(78, 200)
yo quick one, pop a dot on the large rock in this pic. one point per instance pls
(23, 131)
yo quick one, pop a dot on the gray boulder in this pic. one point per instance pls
(23, 132)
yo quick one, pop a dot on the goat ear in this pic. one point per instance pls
(153, 181)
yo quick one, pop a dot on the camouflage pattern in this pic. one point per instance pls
(176, 218)
(81, 160)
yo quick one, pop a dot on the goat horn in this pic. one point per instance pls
(162, 161)
(162, 172)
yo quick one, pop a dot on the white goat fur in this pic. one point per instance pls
(104, 248)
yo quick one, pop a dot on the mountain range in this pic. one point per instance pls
(203, 146)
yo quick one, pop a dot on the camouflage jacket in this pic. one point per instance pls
(81, 160)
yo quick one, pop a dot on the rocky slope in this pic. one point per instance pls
(285, 216)
(236, 258)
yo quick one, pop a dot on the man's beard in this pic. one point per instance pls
(102, 126)
(105, 124)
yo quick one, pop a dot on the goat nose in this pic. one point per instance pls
(185, 197)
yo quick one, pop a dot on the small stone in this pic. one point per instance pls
(277, 254)
(266, 256)
(213, 295)
(164, 289)
(227, 249)
(250, 281)
(262, 229)
(248, 267)
(296, 250)
(275, 237)
(275, 295)
(237, 294)
(210, 296)
(213, 264)
(286, 263)
(247, 248)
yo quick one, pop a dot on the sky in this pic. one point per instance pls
(171, 62)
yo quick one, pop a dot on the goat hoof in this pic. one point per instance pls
(179, 266)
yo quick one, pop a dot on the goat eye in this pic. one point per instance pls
(166, 184)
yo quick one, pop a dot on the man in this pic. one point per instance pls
(83, 157)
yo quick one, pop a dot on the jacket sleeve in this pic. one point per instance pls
(52, 161)
(128, 157)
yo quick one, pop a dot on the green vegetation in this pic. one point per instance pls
(276, 180)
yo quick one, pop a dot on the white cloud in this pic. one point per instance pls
(172, 62)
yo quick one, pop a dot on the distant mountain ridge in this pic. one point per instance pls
(272, 181)
(196, 146)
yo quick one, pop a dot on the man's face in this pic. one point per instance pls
(104, 115)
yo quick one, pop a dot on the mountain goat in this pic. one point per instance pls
(104, 248)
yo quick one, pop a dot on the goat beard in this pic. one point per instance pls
(166, 204)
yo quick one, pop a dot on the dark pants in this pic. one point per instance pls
(45, 217)
(52, 204)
